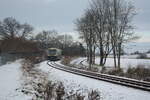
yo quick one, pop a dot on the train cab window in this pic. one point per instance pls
(52, 52)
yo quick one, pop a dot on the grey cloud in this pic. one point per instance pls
(60, 14)
(43, 12)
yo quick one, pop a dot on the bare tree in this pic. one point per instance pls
(47, 39)
(11, 28)
(85, 26)
(98, 9)
(65, 40)
(25, 30)
(120, 14)
(107, 24)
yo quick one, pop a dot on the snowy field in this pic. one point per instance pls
(126, 62)
(108, 91)
(10, 82)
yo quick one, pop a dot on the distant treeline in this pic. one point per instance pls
(16, 38)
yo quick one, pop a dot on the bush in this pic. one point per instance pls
(118, 72)
(60, 91)
(94, 95)
(36, 80)
(142, 56)
(75, 96)
(18, 45)
(27, 65)
(66, 60)
(34, 59)
(140, 73)
(57, 91)
(148, 51)
(48, 93)
(136, 52)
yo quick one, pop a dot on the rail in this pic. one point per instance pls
(104, 77)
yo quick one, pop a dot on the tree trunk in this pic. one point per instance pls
(93, 62)
(114, 53)
(101, 54)
(119, 54)
(90, 56)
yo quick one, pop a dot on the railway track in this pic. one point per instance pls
(104, 77)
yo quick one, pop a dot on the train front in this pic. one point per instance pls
(54, 54)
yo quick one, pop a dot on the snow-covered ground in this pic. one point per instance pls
(77, 61)
(10, 82)
(148, 55)
(108, 91)
(126, 62)
(126, 56)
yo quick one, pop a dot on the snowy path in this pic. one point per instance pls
(108, 91)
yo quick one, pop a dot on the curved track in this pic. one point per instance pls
(104, 77)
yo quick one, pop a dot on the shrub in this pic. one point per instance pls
(34, 59)
(142, 56)
(49, 88)
(118, 72)
(136, 52)
(94, 69)
(60, 91)
(75, 96)
(148, 51)
(94, 95)
(57, 91)
(66, 60)
(140, 73)
(18, 45)
(27, 65)
(103, 70)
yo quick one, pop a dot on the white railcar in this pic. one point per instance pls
(54, 54)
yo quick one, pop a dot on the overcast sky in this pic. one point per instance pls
(61, 14)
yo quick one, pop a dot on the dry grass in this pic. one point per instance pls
(35, 59)
(27, 65)
(140, 73)
(57, 91)
(37, 85)
(34, 80)
(117, 72)
(94, 95)
(66, 60)
(142, 56)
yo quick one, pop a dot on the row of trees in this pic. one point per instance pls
(106, 25)
(11, 28)
(13, 33)
(47, 39)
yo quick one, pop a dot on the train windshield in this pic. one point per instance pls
(52, 52)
